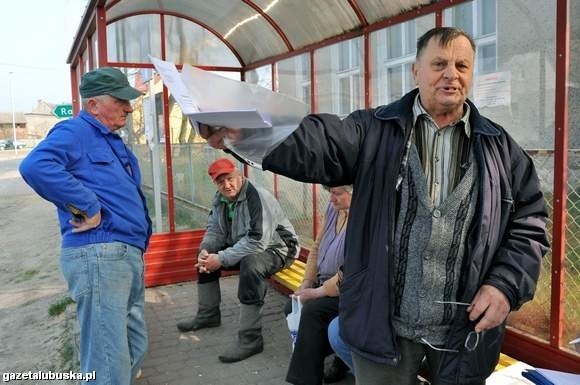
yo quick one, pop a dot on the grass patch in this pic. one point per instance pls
(59, 306)
(28, 274)
(25, 275)
(67, 349)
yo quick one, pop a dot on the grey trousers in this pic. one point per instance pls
(254, 270)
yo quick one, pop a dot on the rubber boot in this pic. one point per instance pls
(208, 313)
(250, 340)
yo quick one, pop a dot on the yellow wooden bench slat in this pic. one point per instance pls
(292, 274)
(291, 277)
(504, 362)
(297, 265)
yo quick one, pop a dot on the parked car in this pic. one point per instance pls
(10, 144)
(3, 144)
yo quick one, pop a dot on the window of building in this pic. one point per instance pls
(479, 19)
(393, 52)
(339, 79)
(348, 77)
(293, 77)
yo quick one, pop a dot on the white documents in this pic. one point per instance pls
(257, 119)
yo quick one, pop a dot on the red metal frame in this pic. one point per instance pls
(101, 25)
(359, 13)
(439, 19)
(162, 33)
(74, 83)
(560, 171)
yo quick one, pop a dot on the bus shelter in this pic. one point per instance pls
(338, 56)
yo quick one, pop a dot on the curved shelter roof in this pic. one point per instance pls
(258, 30)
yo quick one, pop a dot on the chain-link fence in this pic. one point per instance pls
(534, 317)
(571, 325)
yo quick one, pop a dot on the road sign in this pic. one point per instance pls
(63, 111)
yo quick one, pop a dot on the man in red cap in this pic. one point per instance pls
(246, 230)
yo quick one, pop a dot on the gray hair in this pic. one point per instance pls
(85, 101)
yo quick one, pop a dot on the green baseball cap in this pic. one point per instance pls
(107, 81)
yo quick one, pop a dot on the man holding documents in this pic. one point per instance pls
(447, 225)
(246, 230)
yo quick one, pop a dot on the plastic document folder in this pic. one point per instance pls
(240, 118)
(551, 377)
(256, 119)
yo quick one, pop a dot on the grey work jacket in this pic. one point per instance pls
(258, 224)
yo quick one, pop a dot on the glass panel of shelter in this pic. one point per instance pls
(130, 40)
(187, 42)
(339, 80)
(293, 77)
(190, 156)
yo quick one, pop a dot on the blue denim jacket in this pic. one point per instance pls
(81, 163)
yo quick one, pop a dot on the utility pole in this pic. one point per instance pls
(13, 113)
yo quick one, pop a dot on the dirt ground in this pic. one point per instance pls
(30, 279)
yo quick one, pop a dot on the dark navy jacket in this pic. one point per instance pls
(507, 238)
(81, 163)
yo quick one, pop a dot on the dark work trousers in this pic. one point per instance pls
(312, 346)
(405, 373)
(254, 270)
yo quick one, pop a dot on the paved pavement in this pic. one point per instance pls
(176, 358)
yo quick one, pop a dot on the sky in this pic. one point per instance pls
(36, 37)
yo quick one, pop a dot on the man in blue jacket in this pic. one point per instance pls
(447, 226)
(93, 179)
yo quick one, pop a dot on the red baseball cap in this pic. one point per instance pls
(219, 167)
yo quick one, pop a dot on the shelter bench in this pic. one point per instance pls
(170, 258)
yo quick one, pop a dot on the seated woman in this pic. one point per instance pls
(319, 296)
